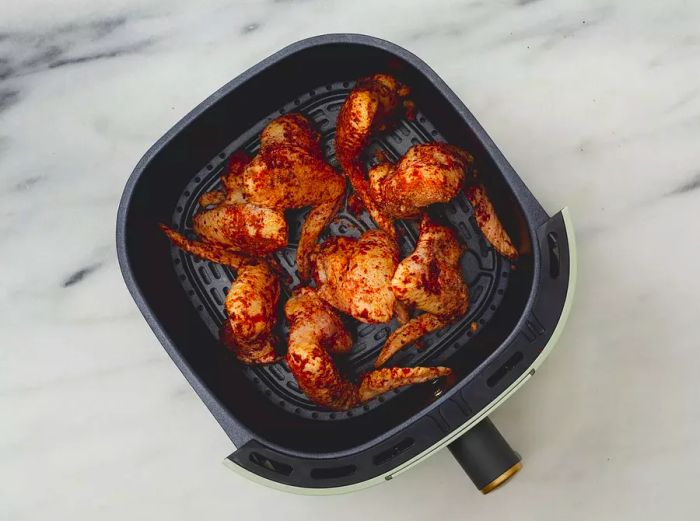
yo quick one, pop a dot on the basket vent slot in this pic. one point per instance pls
(270, 464)
(553, 244)
(333, 472)
(394, 451)
(506, 368)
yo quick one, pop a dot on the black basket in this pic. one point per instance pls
(281, 436)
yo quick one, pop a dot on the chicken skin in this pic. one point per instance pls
(488, 222)
(369, 108)
(287, 173)
(426, 174)
(431, 281)
(354, 275)
(205, 250)
(233, 223)
(251, 310)
(315, 333)
(251, 302)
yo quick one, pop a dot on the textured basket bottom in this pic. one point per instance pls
(206, 283)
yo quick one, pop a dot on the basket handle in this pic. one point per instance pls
(486, 456)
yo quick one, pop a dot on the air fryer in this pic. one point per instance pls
(517, 310)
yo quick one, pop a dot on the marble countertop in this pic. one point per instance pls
(597, 106)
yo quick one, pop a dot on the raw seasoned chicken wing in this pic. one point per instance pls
(236, 224)
(488, 221)
(368, 108)
(426, 174)
(354, 275)
(316, 331)
(430, 280)
(251, 310)
(289, 172)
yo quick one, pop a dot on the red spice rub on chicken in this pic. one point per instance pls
(429, 279)
(287, 173)
(489, 223)
(354, 275)
(315, 333)
(251, 310)
(369, 108)
(426, 174)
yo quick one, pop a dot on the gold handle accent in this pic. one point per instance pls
(502, 478)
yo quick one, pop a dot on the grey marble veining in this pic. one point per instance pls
(597, 106)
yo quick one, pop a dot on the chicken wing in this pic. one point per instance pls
(251, 302)
(243, 227)
(287, 173)
(316, 221)
(368, 108)
(489, 223)
(285, 177)
(316, 331)
(236, 224)
(251, 310)
(430, 280)
(205, 250)
(354, 275)
(426, 174)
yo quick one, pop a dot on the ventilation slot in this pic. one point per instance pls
(504, 369)
(553, 254)
(269, 464)
(333, 472)
(394, 451)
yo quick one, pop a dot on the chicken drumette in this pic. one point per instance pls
(430, 280)
(315, 333)
(251, 310)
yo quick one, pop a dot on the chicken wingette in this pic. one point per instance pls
(354, 275)
(426, 174)
(431, 281)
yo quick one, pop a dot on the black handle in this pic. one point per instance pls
(486, 456)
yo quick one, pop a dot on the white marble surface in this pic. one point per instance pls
(596, 104)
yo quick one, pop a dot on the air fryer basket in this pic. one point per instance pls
(281, 436)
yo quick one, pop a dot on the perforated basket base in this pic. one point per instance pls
(206, 283)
